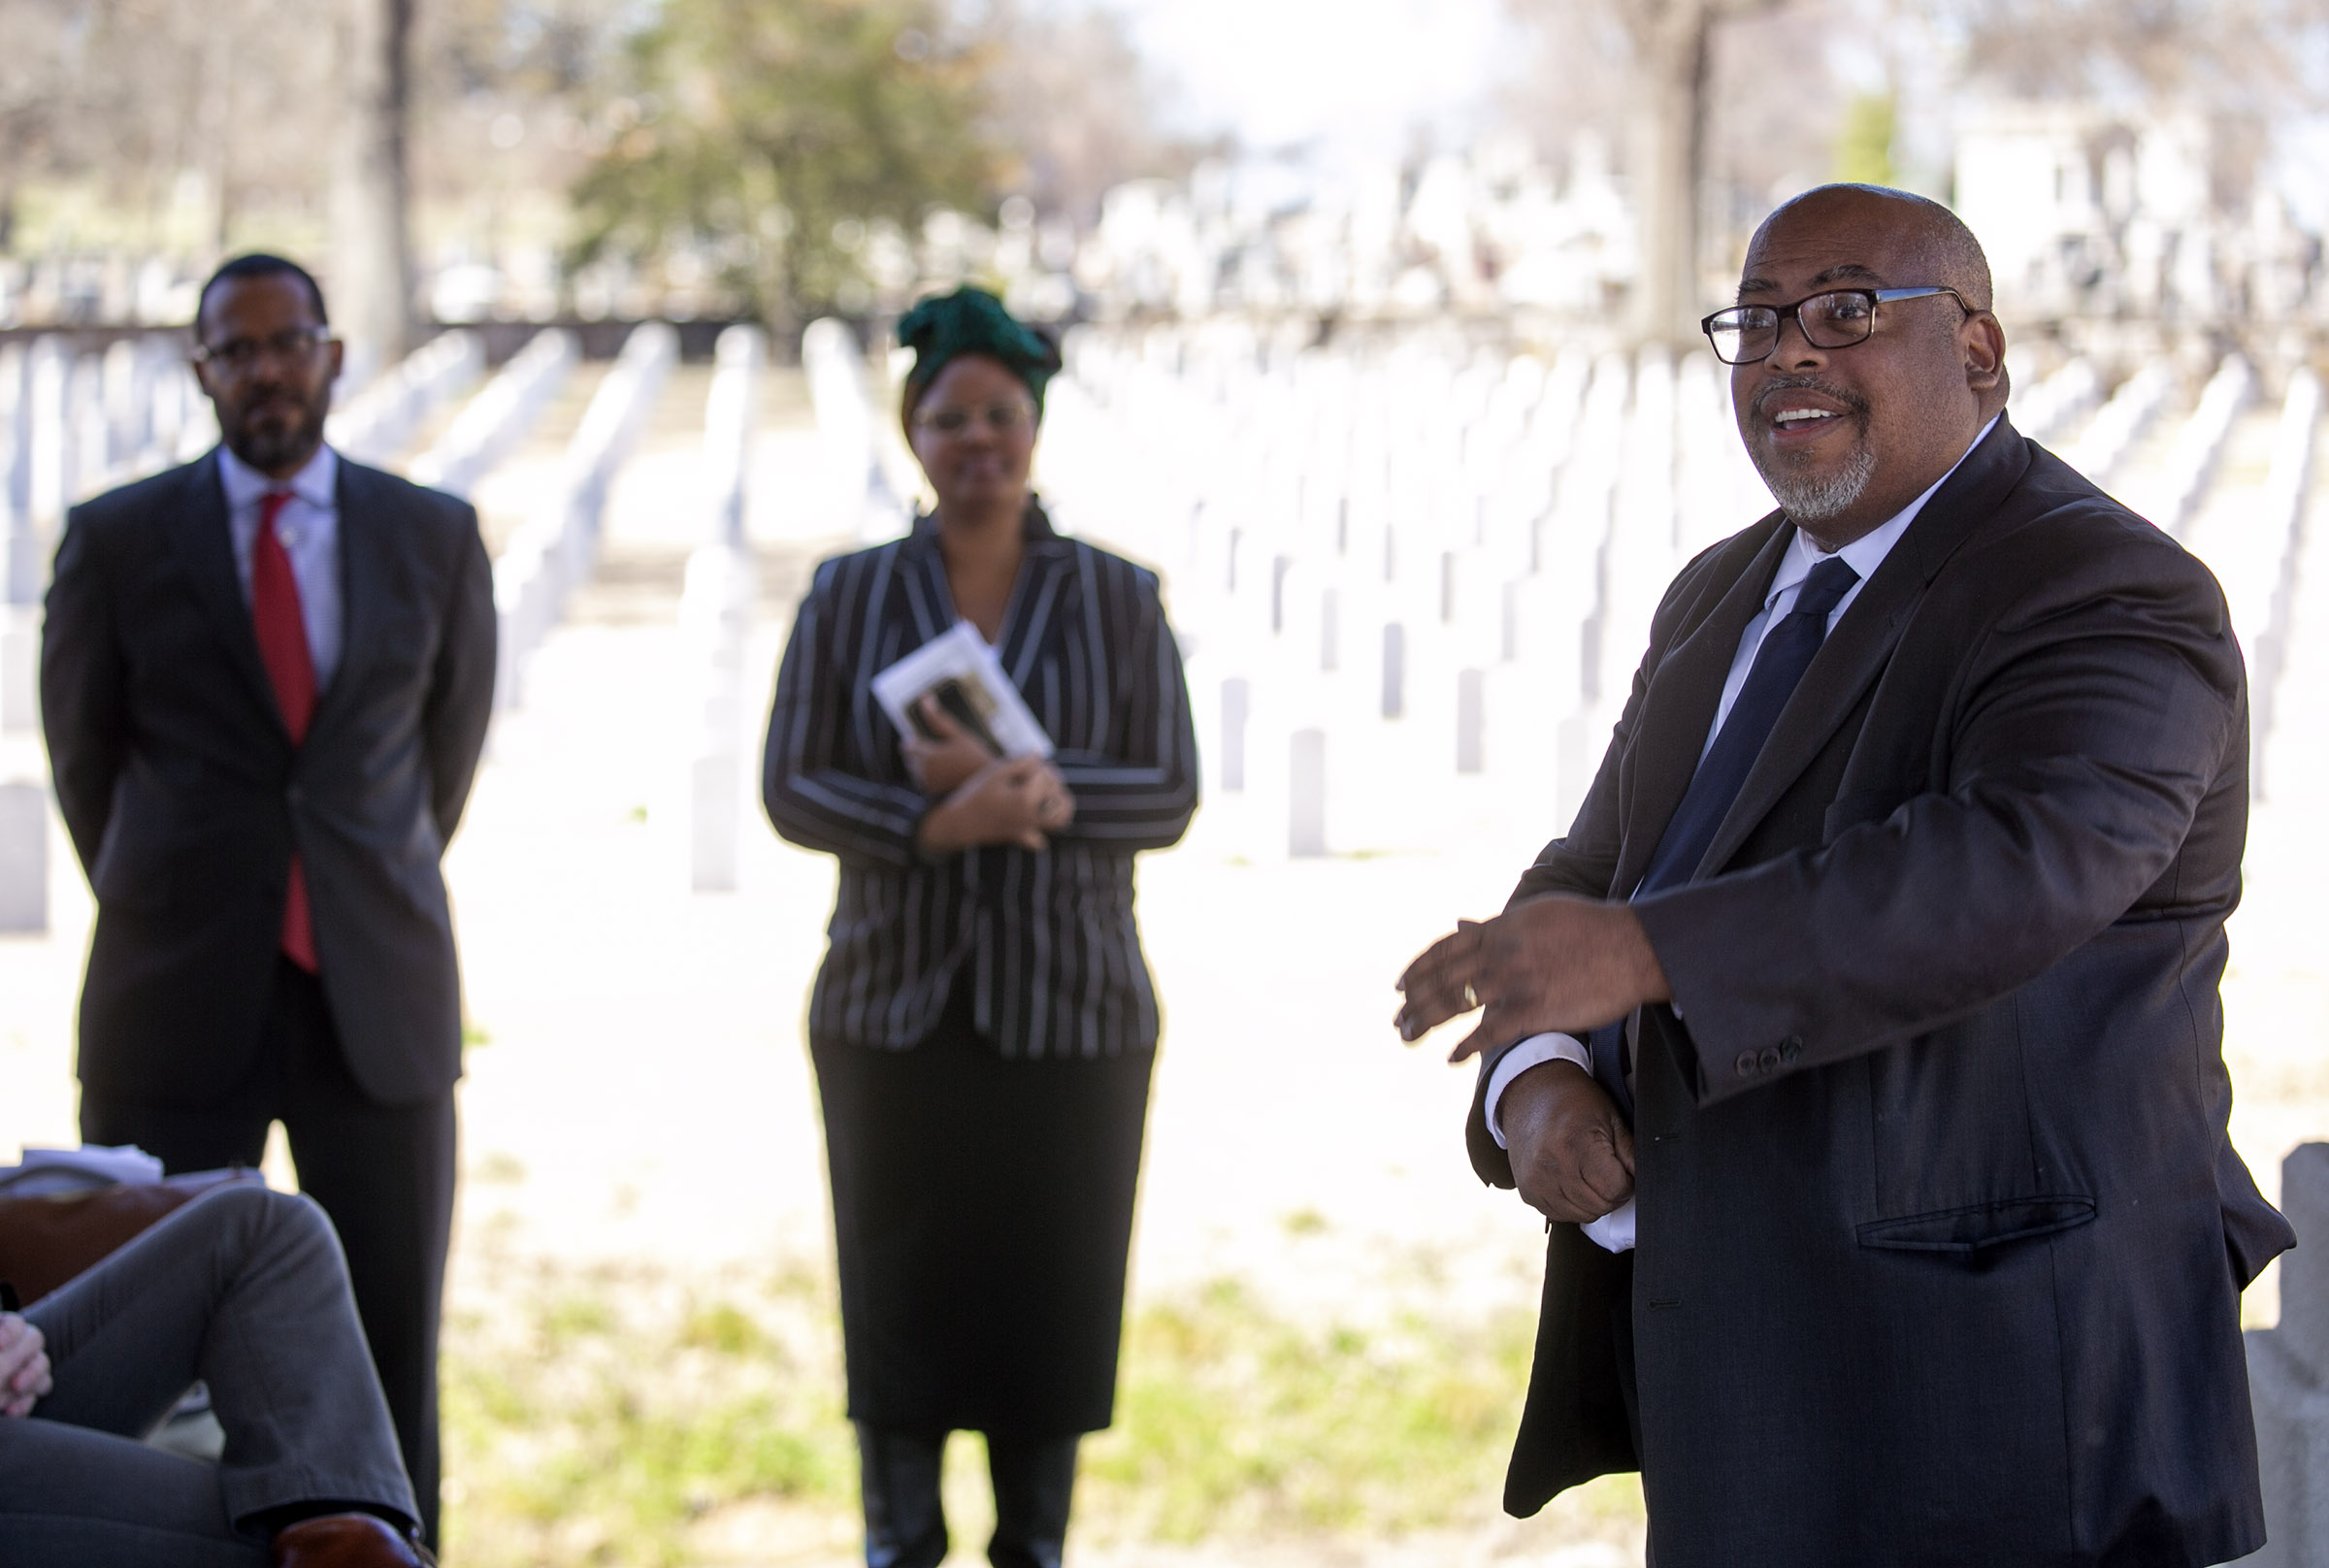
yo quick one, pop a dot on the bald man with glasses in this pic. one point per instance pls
(265, 678)
(1860, 1040)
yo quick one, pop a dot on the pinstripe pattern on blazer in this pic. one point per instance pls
(1047, 940)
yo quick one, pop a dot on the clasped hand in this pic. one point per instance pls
(23, 1365)
(982, 798)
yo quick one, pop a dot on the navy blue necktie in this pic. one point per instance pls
(1786, 653)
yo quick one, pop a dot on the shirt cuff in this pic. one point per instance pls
(1533, 1052)
(1614, 1231)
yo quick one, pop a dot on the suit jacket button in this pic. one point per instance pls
(1769, 1059)
(1790, 1048)
(1745, 1065)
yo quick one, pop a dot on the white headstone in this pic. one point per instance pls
(1306, 793)
(1471, 721)
(52, 436)
(19, 668)
(2288, 1377)
(1236, 700)
(23, 857)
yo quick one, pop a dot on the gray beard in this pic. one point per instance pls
(1814, 500)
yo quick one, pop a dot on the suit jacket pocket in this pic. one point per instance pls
(1969, 1230)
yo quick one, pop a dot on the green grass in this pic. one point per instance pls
(596, 1416)
(1233, 1421)
(604, 1417)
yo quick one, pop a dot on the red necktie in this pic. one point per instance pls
(291, 669)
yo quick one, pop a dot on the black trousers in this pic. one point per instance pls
(905, 1522)
(384, 1173)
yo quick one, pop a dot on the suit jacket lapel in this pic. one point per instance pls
(366, 574)
(1679, 708)
(1034, 603)
(1025, 616)
(1856, 652)
(204, 544)
(922, 574)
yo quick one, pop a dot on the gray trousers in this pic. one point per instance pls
(246, 1290)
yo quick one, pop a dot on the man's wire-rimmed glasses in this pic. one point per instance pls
(1835, 319)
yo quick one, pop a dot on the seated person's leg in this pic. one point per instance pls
(90, 1499)
(247, 1289)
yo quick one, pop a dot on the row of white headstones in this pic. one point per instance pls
(1412, 585)
(75, 425)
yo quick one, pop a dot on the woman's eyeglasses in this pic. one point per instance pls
(1003, 418)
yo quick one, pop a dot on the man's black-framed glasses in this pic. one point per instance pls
(239, 356)
(1836, 320)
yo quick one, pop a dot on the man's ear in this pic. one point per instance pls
(1983, 342)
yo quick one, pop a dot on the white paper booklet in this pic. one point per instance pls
(959, 671)
(71, 1170)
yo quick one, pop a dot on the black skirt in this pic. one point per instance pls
(983, 1212)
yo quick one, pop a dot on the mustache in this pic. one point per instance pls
(1778, 385)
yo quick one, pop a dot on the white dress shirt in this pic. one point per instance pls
(308, 526)
(1614, 1230)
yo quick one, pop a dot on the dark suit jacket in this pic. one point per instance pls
(1942, 1236)
(184, 795)
(1046, 941)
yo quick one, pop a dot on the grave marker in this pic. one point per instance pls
(23, 856)
(1471, 721)
(2288, 1377)
(1306, 793)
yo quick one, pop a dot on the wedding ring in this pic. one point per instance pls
(1472, 997)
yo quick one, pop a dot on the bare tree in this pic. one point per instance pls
(1666, 107)
(372, 245)
(1072, 106)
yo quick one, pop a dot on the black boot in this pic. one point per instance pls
(905, 1524)
(1034, 1481)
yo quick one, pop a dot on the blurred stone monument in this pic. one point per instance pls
(715, 616)
(2288, 1377)
(837, 389)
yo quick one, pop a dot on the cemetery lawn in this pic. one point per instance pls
(629, 1416)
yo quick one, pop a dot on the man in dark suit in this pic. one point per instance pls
(1903, 885)
(265, 679)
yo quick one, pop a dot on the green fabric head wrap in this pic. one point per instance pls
(972, 322)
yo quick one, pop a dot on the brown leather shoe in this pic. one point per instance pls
(347, 1541)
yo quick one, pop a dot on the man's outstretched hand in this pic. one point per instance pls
(1552, 964)
(1572, 1153)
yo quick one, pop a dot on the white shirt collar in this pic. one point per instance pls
(314, 483)
(1867, 552)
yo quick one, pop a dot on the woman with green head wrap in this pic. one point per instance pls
(944, 328)
(984, 1025)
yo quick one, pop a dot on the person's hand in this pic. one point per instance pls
(1552, 964)
(942, 766)
(1572, 1153)
(23, 1365)
(1008, 803)
(1056, 809)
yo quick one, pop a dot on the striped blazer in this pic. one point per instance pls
(1046, 941)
